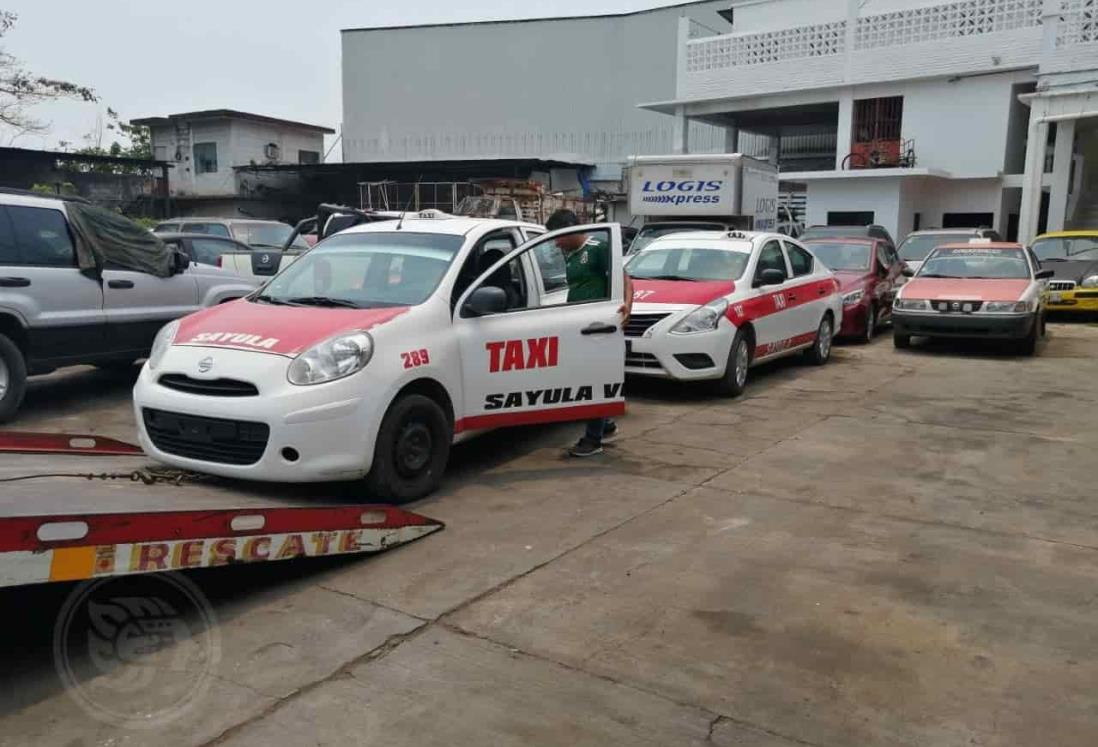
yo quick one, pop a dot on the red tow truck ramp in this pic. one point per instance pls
(81, 507)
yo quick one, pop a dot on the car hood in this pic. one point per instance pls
(281, 330)
(960, 289)
(1075, 270)
(852, 279)
(680, 292)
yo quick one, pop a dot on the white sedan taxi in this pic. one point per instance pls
(708, 306)
(384, 344)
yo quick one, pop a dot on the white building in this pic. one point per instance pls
(984, 108)
(211, 150)
(554, 89)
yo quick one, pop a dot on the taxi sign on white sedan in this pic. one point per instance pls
(708, 306)
(977, 289)
(381, 346)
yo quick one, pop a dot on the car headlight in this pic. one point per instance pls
(1000, 307)
(163, 340)
(853, 297)
(1090, 282)
(914, 304)
(332, 359)
(702, 319)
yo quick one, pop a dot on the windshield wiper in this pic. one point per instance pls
(264, 298)
(666, 277)
(323, 301)
(934, 275)
(1055, 259)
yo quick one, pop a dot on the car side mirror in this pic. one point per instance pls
(1044, 274)
(907, 272)
(486, 299)
(769, 276)
(180, 262)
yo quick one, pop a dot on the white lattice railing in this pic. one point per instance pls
(736, 50)
(1079, 24)
(946, 21)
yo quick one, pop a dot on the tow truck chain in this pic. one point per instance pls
(148, 476)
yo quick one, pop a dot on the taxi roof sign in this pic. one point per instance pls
(980, 240)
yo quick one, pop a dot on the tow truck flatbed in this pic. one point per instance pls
(59, 526)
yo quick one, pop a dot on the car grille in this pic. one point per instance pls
(207, 439)
(956, 307)
(642, 360)
(638, 324)
(1086, 294)
(209, 387)
(1061, 285)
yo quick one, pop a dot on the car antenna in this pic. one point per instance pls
(415, 188)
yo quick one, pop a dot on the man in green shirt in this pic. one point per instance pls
(587, 264)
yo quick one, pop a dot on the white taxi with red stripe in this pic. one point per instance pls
(709, 305)
(975, 289)
(377, 349)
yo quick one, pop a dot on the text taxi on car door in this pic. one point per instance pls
(984, 289)
(378, 348)
(708, 306)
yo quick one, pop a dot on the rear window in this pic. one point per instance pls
(214, 229)
(271, 235)
(167, 228)
(916, 248)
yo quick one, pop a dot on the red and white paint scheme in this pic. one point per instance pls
(976, 289)
(709, 305)
(377, 349)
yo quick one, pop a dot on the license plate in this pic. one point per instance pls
(1055, 297)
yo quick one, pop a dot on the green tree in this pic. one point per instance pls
(20, 89)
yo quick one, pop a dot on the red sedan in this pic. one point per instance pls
(869, 273)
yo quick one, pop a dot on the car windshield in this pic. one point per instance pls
(839, 256)
(688, 263)
(648, 234)
(1067, 247)
(975, 262)
(366, 270)
(270, 235)
(916, 248)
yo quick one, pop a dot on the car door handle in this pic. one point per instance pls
(14, 282)
(792, 296)
(119, 283)
(598, 328)
(821, 291)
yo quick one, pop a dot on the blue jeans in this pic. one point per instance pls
(595, 429)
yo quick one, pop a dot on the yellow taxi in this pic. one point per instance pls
(1073, 258)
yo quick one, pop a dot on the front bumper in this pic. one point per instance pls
(854, 320)
(937, 324)
(1080, 299)
(697, 357)
(332, 427)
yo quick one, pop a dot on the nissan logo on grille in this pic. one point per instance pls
(205, 364)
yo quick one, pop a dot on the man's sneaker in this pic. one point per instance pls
(585, 448)
(610, 432)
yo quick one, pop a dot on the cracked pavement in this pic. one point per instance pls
(899, 548)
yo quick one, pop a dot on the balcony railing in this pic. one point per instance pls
(737, 50)
(1080, 24)
(948, 21)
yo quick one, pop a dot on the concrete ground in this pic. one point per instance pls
(895, 549)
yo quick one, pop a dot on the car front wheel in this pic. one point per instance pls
(870, 325)
(734, 380)
(13, 378)
(413, 446)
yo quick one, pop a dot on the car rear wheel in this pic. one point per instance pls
(902, 342)
(13, 378)
(820, 352)
(413, 445)
(734, 380)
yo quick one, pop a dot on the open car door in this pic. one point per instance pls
(531, 354)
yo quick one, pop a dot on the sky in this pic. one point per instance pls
(276, 57)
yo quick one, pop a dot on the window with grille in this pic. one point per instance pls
(878, 119)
